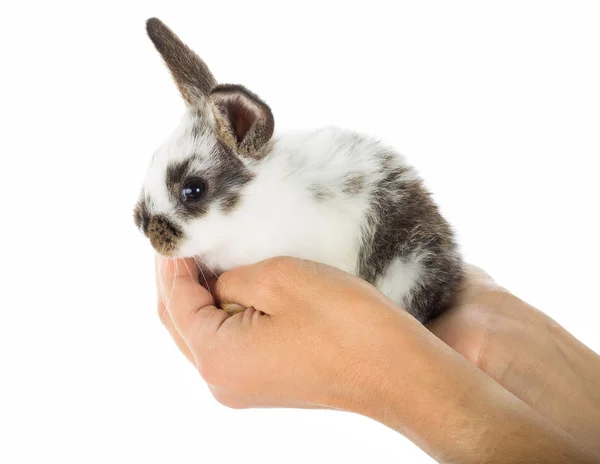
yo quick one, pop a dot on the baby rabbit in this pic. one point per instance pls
(223, 189)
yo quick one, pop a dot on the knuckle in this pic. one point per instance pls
(484, 320)
(223, 280)
(279, 264)
(269, 287)
(226, 281)
(276, 276)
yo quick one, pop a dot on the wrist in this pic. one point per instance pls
(418, 386)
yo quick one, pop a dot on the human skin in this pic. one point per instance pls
(314, 336)
(528, 353)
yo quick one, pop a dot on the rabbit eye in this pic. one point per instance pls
(193, 190)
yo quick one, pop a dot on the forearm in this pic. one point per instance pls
(560, 378)
(545, 366)
(452, 410)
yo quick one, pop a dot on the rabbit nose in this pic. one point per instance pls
(164, 234)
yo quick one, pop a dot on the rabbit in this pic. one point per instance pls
(225, 190)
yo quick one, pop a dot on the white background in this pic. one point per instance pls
(497, 105)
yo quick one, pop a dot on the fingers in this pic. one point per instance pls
(175, 335)
(476, 274)
(256, 285)
(188, 304)
(236, 400)
(476, 282)
(235, 287)
(266, 284)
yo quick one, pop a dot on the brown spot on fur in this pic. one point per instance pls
(141, 214)
(164, 235)
(176, 175)
(230, 202)
(404, 220)
(353, 184)
(202, 125)
(244, 122)
(224, 179)
(321, 193)
(193, 78)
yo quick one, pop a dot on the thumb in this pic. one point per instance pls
(254, 285)
(188, 303)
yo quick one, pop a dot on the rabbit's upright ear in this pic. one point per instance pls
(193, 78)
(244, 122)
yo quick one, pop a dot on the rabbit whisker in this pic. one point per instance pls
(195, 279)
(203, 276)
(208, 267)
(174, 282)
(161, 289)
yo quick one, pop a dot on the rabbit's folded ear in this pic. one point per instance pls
(193, 78)
(244, 122)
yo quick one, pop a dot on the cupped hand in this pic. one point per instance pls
(307, 330)
(313, 336)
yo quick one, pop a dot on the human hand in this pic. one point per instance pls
(308, 329)
(526, 352)
(313, 336)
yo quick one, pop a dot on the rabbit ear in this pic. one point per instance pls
(193, 78)
(244, 122)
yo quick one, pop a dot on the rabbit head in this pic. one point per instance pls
(203, 166)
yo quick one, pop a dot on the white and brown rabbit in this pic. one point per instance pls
(224, 189)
